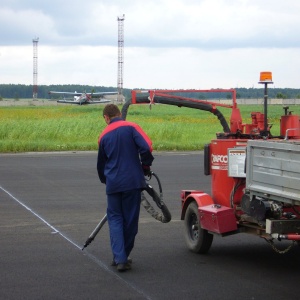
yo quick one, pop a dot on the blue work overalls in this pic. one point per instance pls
(123, 149)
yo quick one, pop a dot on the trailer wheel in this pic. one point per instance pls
(197, 239)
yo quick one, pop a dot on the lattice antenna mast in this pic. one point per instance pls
(120, 56)
(35, 67)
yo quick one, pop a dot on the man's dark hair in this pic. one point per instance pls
(111, 110)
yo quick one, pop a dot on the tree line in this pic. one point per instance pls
(22, 91)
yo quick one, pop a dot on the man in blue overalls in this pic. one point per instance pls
(124, 158)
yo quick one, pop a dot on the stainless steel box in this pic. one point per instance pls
(273, 170)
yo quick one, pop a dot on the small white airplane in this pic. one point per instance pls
(83, 98)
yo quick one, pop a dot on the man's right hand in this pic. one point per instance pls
(147, 170)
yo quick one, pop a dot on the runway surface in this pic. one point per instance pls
(51, 202)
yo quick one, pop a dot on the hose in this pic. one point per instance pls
(179, 102)
(165, 215)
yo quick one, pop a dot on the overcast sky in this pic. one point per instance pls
(173, 44)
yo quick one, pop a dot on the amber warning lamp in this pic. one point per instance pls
(265, 78)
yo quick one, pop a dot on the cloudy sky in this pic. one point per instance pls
(172, 44)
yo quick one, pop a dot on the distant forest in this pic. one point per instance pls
(21, 91)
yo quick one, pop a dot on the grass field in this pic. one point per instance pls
(61, 128)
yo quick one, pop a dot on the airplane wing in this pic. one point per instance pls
(99, 94)
(93, 95)
(68, 101)
(65, 93)
(100, 101)
(83, 103)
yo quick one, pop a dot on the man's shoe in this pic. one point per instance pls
(123, 267)
(113, 263)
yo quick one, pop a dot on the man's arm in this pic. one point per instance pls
(101, 161)
(144, 146)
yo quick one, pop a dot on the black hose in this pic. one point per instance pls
(125, 109)
(179, 102)
(165, 215)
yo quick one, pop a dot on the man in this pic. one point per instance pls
(124, 158)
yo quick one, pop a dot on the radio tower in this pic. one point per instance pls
(120, 56)
(35, 67)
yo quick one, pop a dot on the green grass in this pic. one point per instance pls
(61, 128)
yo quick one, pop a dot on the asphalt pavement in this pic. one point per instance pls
(51, 202)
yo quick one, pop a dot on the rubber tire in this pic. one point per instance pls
(198, 240)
